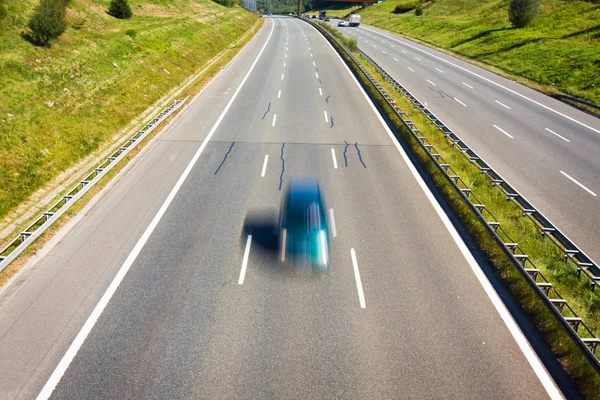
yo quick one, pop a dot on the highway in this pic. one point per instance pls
(156, 290)
(547, 150)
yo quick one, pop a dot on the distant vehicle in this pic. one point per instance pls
(290, 14)
(303, 225)
(322, 14)
(314, 16)
(342, 23)
(354, 20)
(326, 19)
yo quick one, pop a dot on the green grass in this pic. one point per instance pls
(560, 51)
(59, 104)
(544, 254)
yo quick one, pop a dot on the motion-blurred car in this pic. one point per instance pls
(326, 19)
(342, 23)
(314, 17)
(303, 226)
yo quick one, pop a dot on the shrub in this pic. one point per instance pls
(404, 8)
(226, 3)
(522, 12)
(120, 9)
(47, 22)
(131, 33)
(419, 11)
(3, 10)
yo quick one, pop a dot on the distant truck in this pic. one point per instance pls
(354, 20)
(322, 14)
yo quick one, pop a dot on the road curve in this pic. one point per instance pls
(400, 313)
(546, 149)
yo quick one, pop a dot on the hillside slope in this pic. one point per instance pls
(59, 104)
(561, 49)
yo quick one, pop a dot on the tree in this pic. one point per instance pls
(47, 22)
(120, 9)
(521, 13)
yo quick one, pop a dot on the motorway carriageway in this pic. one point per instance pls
(547, 150)
(157, 289)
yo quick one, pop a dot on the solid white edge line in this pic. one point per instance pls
(245, 261)
(459, 101)
(578, 183)
(492, 82)
(274, 119)
(503, 131)
(66, 360)
(332, 222)
(431, 82)
(467, 85)
(503, 105)
(507, 318)
(264, 168)
(359, 288)
(325, 113)
(554, 133)
(279, 94)
(333, 157)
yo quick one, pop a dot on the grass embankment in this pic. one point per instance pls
(542, 252)
(198, 81)
(560, 51)
(59, 104)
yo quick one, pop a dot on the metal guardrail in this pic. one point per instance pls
(9, 253)
(573, 254)
(577, 330)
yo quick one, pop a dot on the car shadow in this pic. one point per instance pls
(263, 225)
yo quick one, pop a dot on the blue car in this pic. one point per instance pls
(303, 227)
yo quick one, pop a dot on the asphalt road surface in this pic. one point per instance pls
(205, 312)
(544, 148)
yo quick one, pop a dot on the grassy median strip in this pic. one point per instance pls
(544, 254)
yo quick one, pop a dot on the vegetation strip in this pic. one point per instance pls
(512, 272)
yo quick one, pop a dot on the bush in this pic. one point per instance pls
(47, 22)
(226, 3)
(120, 9)
(522, 12)
(405, 7)
(3, 10)
(419, 11)
(131, 33)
